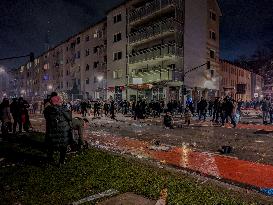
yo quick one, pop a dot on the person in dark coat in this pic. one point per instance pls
(106, 108)
(210, 107)
(202, 108)
(84, 106)
(15, 112)
(5, 116)
(112, 109)
(24, 115)
(228, 109)
(58, 119)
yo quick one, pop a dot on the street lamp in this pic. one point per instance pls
(50, 87)
(100, 78)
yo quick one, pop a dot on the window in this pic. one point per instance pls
(78, 40)
(87, 38)
(117, 56)
(87, 52)
(78, 54)
(87, 67)
(95, 80)
(87, 81)
(96, 64)
(212, 73)
(212, 15)
(212, 35)
(117, 37)
(117, 74)
(212, 54)
(117, 18)
(67, 84)
(95, 50)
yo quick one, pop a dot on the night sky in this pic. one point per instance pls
(245, 25)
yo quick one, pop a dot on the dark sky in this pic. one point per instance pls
(245, 25)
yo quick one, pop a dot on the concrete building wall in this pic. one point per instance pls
(197, 43)
(118, 67)
(233, 75)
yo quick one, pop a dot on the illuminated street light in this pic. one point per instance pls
(50, 87)
(100, 78)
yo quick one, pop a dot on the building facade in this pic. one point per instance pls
(234, 77)
(141, 49)
(157, 42)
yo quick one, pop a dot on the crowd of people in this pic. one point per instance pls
(61, 127)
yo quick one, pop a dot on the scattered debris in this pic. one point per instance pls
(160, 148)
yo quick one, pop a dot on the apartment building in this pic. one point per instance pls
(141, 49)
(235, 78)
(75, 67)
(150, 50)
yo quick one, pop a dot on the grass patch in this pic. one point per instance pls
(95, 171)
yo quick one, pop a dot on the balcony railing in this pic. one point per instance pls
(162, 51)
(168, 25)
(149, 9)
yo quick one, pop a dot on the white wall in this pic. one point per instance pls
(195, 42)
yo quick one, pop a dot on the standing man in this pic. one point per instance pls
(15, 112)
(112, 109)
(202, 106)
(266, 106)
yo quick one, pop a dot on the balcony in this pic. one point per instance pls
(149, 9)
(162, 28)
(162, 52)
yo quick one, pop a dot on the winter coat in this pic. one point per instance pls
(202, 105)
(58, 129)
(5, 115)
(266, 105)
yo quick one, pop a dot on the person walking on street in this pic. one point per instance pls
(202, 106)
(266, 106)
(228, 108)
(112, 109)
